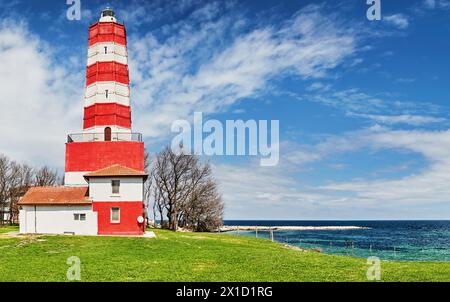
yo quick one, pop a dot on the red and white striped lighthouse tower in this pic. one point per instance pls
(107, 154)
(107, 99)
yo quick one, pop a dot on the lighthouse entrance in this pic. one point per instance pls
(107, 134)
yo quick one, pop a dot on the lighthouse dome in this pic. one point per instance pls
(108, 15)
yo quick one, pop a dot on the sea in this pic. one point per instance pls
(388, 240)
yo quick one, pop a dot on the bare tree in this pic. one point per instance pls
(182, 184)
(204, 209)
(158, 206)
(173, 178)
(148, 167)
(23, 180)
(4, 171)
(46, 177)
(15, 180)
(13, 187)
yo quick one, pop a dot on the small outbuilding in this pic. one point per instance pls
(57, 210)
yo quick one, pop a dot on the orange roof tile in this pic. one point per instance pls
(116, 170)
(56, 196)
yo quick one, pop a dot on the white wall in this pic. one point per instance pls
(75, 179)
(5, 216)
(57, 220)
(131, 189)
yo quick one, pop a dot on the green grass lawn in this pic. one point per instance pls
(7, 229)
(189, 257)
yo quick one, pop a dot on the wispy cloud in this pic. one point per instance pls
(436, 4)
(383, 107)
(169, 77)
(415, 120)
(399, 20)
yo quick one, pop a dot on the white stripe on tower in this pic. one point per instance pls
(107, 92)
(107, 52)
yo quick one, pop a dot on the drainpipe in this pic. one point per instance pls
(35, 223)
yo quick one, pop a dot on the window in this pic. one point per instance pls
(106, 50)
(108, 13)
(79, 217)
(115, 215)
(115, 184)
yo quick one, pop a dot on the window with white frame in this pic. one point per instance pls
(79, 217)
(115, 215)
(115, 186)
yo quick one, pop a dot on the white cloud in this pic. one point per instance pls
(253, 192)
(233, 65)
(398, 20)
(415, 120)
(428, 186)
(40, 99)
(300, 154)
(318, 86)
(300, 157)
(278, 192)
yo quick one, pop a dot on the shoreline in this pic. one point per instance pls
(231, 228)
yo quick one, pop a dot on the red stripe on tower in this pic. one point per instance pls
(106, 115)
(107, 32)
(107, 72)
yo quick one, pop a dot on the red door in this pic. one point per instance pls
(107, 134)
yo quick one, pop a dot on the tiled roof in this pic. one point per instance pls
(56, 196)
(116, 170)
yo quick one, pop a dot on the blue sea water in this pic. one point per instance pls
(388, 240)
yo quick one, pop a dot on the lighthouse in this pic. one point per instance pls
(104, 164)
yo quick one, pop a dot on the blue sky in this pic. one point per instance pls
(363, 106)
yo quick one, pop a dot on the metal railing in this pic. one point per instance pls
(100, 137)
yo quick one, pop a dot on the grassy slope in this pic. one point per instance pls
(189, 257)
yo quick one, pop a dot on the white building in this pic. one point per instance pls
(111, 204)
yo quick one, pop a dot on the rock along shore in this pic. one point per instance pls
(230, 228)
